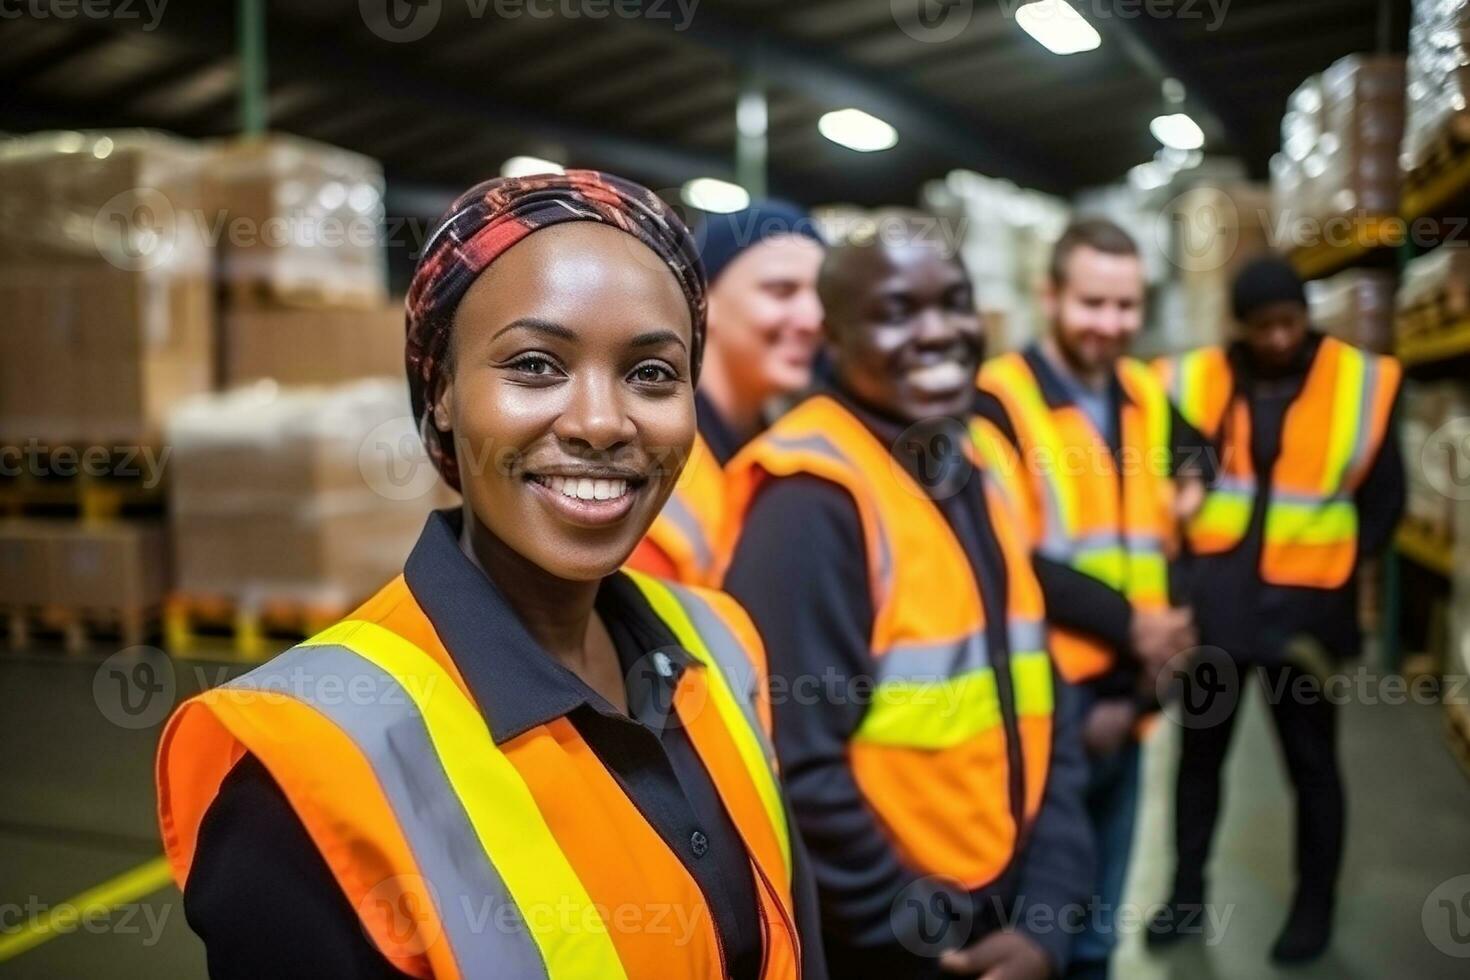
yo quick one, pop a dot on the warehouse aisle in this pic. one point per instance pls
(85, 815)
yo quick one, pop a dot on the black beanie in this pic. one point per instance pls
(724, 236)
(1264, 281)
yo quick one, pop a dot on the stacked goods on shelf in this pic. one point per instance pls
(1356, 305)
(300, 223)
(1437, 119)
(295, 504)
(1215, 230)
(104, 286)
(1005, 234)
(82, 579)
(1336, 181)
(308, 346)
(1428, 414)
(1433, 317)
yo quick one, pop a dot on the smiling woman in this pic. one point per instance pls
(516, 703)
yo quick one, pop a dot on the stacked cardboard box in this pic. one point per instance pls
(1216, 231)
(1356, 305)
(1434, 296)
(1434, 419)
(1340, 140)
(303, 346)
(312, 495)
(105, 299)
(298, 220)
(120, 567)
(1437, 114)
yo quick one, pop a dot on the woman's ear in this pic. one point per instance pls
(443, 403)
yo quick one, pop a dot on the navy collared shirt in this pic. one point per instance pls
(263, 899)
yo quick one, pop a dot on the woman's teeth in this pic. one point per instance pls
(582, 488)
(944, 376)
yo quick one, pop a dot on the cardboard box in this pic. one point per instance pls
(100, 566)
(309, 495)
(298, 218)
(312, 346)
(1356, 305)
(90, 353)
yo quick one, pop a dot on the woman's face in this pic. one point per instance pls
(569, 396)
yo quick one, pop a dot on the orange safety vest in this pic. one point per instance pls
(1115, 527)
(1330, 436)
(465, 858)
(949, 717)
(689, 527)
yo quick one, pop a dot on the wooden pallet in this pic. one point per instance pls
(76, 630)
(251, 630)
(80, 480)
(1418, 541)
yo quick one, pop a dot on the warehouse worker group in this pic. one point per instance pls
(903, 739)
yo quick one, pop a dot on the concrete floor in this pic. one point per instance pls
(76, 809)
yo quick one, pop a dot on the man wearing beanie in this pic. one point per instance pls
(1311, 483)
(765, 326)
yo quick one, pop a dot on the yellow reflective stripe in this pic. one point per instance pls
(1108, 565)
(1017, 379)
(499, 804)
(1346, 419)
(932, 714)
(1148, 576)
(1223, 513)
(1311, 524)
(1155, 401)
(1031, 678)
(672, 612)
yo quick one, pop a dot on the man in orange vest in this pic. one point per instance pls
(1100, 448)
(933, 764)
(1311, 484)
(765, 325)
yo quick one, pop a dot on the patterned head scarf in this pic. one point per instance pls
(488, 219)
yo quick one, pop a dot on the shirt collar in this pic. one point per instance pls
(724, 442)
(516, 683)
(1057, 385)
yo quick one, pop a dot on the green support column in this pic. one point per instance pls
(251, 43)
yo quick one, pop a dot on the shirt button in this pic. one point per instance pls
(699, 843)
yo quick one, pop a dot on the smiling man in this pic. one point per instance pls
(932, 764)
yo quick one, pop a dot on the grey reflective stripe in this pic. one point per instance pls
(683, 519)
(388, 730)
(1236, 485)
(1372, 376)
(730, 657)
(919, 663)
(1308, 499)
(823, 447)
(1026, 636)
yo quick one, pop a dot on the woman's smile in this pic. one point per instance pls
(588, 499)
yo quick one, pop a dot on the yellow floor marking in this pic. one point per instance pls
(93, 903)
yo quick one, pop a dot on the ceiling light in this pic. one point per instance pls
(526, 166)
(1178, 132)
(714, 195)
(1148, 176)
(1058, 27)
(857, 130)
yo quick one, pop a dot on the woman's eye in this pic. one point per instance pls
(652, 373)
(533, 364)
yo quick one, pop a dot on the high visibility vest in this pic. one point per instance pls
(1330, 436)
(1108, 517)
(953, 751)
(464, 858)
(689, 528)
